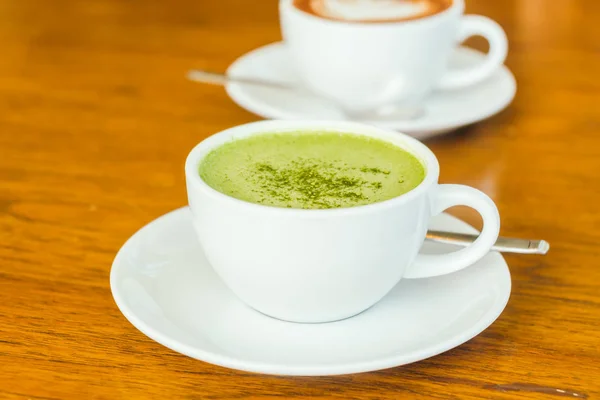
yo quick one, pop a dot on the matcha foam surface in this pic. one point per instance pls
(311, 169)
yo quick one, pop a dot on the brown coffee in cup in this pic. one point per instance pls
(372, 10)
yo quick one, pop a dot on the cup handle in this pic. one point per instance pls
(477, 25)
(446, 196)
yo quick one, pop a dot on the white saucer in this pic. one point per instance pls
(445, 111)
(164, 286)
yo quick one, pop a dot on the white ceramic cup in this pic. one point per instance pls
(369, 65)
(325, 265)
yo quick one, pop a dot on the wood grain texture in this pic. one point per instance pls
(96, 120)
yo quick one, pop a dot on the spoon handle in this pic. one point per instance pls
(215, 78)
(503, 244)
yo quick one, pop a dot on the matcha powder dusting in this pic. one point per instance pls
(311, 169)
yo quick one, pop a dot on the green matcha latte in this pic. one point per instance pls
(311, 170)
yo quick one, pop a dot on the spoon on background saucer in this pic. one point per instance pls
(392, 112)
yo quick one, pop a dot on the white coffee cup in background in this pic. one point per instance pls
(365, 65)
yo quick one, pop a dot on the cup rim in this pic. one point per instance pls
(287, 5)
(195, 183)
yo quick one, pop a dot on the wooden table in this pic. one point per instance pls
(96, 119)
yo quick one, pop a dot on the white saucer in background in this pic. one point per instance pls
(445, 111)
(164, 286)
